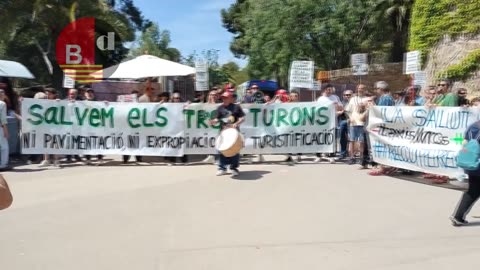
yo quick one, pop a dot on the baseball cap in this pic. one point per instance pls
(281, 92)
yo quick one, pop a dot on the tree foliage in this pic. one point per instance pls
(273, 33)
(155, 42)
(31, 28)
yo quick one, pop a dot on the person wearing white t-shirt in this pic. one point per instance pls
(356, 110)
(329, 96)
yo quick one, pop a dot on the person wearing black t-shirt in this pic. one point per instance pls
(229, 115)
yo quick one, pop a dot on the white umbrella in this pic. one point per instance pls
(145, 66)
(14, 70)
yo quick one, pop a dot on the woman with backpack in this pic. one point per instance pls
(468, 159)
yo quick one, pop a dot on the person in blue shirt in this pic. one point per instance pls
(384, 96)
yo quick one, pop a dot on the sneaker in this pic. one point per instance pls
(235, 172)
(331, 160)
(29, 162)
(351, 161)
(299, 159)
(209, 159)
(44, 163)
(288, 159)
(317, 160)
(221, 172)
(261, 159)
(458, 222)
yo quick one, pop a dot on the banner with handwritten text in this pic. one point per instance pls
(419, 138)
(307, 127)
(170, 129)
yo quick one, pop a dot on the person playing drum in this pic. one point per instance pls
(229, 115)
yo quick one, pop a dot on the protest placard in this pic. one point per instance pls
(418, 138)
(301, 74)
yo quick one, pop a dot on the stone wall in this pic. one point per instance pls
(450, 52)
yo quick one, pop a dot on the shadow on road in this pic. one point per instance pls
(251, 175)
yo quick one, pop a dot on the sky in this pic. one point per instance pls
(194, 25)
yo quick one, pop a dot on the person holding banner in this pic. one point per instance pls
(356, 110)
(211, 99)
(229, 115)
(4, 150)
(473, 193)
(293, 98)
(329, 96)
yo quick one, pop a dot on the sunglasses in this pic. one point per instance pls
(441, 84)
(347, 95)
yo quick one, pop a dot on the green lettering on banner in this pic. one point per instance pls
(296, 116)
(255, 112)
(145, 120)
(32, 112)
(265, 115)
(309, 114)
(51, 116)
(189, 114)
(108, 115)
(62, 118)
(281, 115)
(81, 116)
(202, 116)
(164, 120)
(323, 118)
(134, 114)
(94, 117)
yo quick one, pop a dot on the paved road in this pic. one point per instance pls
(312, 216)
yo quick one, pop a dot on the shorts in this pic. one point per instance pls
(357, 134)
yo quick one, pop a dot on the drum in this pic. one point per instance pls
(229, 142)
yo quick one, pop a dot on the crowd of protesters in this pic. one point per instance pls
(351, 106)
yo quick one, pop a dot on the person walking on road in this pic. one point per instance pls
(473, 193)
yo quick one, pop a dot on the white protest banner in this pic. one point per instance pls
(91, 128)
(418, 138)
(201, 76)
(301, 74)
(306, 127)
(412, 62)
(150, 129)
(359, 64)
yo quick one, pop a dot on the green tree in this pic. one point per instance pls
(31, 28)
(272, 33)
(157, 43)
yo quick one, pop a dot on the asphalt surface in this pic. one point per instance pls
(273, 216)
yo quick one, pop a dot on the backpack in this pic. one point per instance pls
(469, 156)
